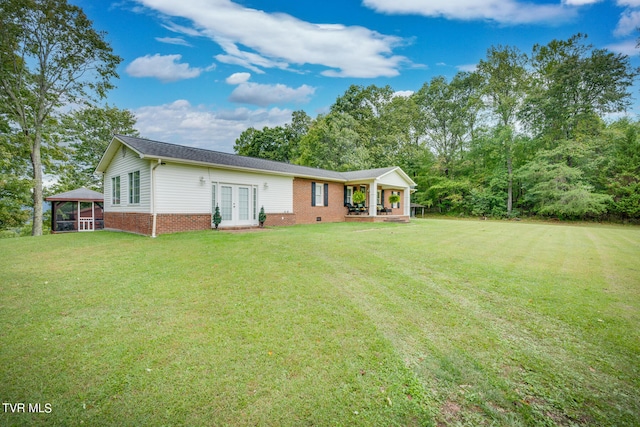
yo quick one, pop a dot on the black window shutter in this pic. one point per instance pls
(313, 194)
(382, 197)
(326, 194)
(345, 195)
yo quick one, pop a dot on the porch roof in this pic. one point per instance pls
(78, 195)
(367, 174)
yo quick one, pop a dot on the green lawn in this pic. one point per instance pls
(436, 322)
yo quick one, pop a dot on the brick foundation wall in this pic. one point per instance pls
(142, 223)
(307, 214)
(175, 223)
(275, 219)
(132, 222)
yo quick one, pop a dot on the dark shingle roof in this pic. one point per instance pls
(78, 194)
(365, 174)
(164, 150)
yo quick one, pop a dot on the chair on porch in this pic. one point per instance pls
(362, 208)
(382, 210)
(352, 209)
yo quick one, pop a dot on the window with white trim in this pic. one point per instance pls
(349, 198)
(319, 194)
(134, 187)
(395, 205)
(115, 190)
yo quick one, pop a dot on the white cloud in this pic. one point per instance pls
(262, 95)
(502, 11)
(626, 47)
(403, 93)
(163, 67)
(256, 39)
(629, 3)
(182, 123)
(467, 67)
(188, 31)
(629, 21)
(580, 2)
(238, 78)
(173, 40)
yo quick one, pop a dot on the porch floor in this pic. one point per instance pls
(377, 218)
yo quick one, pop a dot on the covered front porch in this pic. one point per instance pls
(384, 196)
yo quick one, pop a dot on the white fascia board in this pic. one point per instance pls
(239, 168)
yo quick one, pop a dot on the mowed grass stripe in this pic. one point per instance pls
(480, 321)
(470, 322)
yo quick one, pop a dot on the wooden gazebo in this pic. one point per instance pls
(77, 210)
(415, 207)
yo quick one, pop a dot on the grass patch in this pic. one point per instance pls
(435, 322)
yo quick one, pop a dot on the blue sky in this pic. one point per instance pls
(199, 72)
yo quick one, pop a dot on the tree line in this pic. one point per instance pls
(540, 133)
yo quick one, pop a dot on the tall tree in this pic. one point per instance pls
(268, 143)
(556, 188)
(366, 105)
(278, 143)
(333, 143)
(621, 171)
(504, 73)
(402, 135)
(449, 111)
(573, 83)
(88, 132)
(294, 131)
(50, 56)
(14, 182)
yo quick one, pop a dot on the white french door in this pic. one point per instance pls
(236, 207)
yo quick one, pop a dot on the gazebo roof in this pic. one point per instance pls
(80, 195)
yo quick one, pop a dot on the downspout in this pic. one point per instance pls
(153, 197)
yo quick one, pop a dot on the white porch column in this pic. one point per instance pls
(407, 201)
(373, 198)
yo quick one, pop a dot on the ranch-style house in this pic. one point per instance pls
(154, 188)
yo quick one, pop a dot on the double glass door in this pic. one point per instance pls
(236, 205)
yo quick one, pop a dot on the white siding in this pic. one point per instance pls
(277, 197)
(179, 188)
(121, 165)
